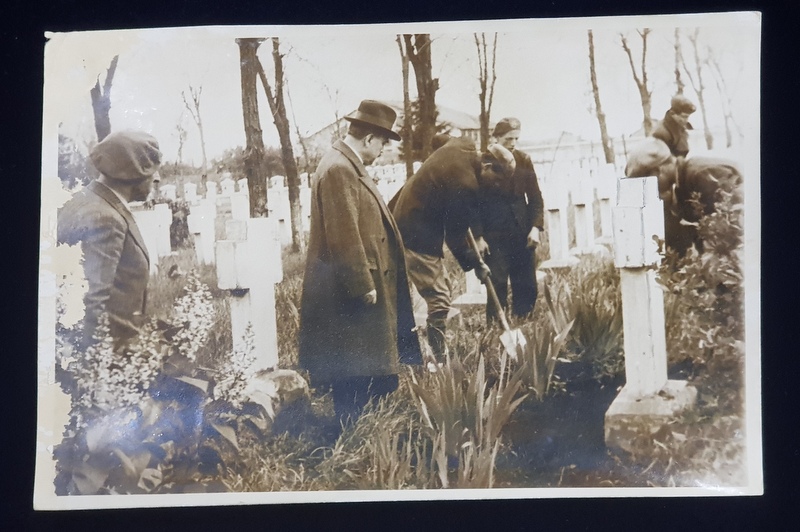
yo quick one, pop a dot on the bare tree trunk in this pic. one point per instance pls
(406, 132)
(487, 78)
(308, 167)
(179, 163)
(418, 47)
(641, 80)
(725, 99)
(101, 101)
(254, 148)
(195, 112)
(678, 55)
(278, 108)
(608, 149)
(699, 88)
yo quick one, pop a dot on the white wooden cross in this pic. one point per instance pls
(638, 217)
(648, 402)
(555, 204)
(249, 264)
(202, 221)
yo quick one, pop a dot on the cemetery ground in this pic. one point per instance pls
(480, 421)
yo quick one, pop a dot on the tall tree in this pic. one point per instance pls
(309, 162)
(645, 94)
(678, 55)
(254, 141)
(194, 110)
(406, 133)
(418, 48)
(608, 149)
(101, 101)
(278, 108)
(696, 80)
(487, 75)
(725, 99)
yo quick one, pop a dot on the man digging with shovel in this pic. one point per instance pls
(438, 205)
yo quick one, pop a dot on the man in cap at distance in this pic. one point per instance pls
(673, 129)
(512, 214)
(115, 260)
(356, 318)
(436, 206)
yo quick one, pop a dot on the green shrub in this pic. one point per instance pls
(704, 297)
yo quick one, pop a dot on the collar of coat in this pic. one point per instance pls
(112, 199)
(364, 177)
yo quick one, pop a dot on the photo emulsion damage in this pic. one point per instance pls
(455, 260)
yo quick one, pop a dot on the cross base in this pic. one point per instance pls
(632, 420)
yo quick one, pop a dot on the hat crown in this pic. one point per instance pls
(504, 125)
(682, 104)
(127, 155)
(376, 114)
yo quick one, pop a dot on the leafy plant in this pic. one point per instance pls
(463, 417)
(545, 344)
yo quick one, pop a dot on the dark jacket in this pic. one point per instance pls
(673, 134)
(354, 247)
(115, 260)
(704, 176)
(439, 202)
(512, 205)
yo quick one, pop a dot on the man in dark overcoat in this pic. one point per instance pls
(436, 206)
(512, 213)
(356, 318)
(115, 260)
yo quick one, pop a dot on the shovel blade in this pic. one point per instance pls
(514, 343)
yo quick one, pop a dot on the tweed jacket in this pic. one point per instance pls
(354, 247)
(115, 259)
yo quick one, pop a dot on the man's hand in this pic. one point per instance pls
(482, 271)
(533, 238)
(483, 247)
(370, 298)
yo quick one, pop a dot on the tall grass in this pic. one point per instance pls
(464, 416)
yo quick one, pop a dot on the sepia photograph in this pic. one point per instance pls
(488, 259)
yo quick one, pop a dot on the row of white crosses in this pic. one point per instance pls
(578, 184)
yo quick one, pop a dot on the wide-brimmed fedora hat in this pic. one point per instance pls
(376, 115)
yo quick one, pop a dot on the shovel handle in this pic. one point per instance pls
(488, 284)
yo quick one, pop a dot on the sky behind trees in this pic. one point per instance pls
(542, 75)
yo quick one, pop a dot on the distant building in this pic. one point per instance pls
(456, 123)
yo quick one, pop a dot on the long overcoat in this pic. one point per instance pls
(354, 247)
(115, 259)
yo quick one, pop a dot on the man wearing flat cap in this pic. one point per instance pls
(673, 129)
(512, 212)
(356, 319)
(115, 260)
(436, 206)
